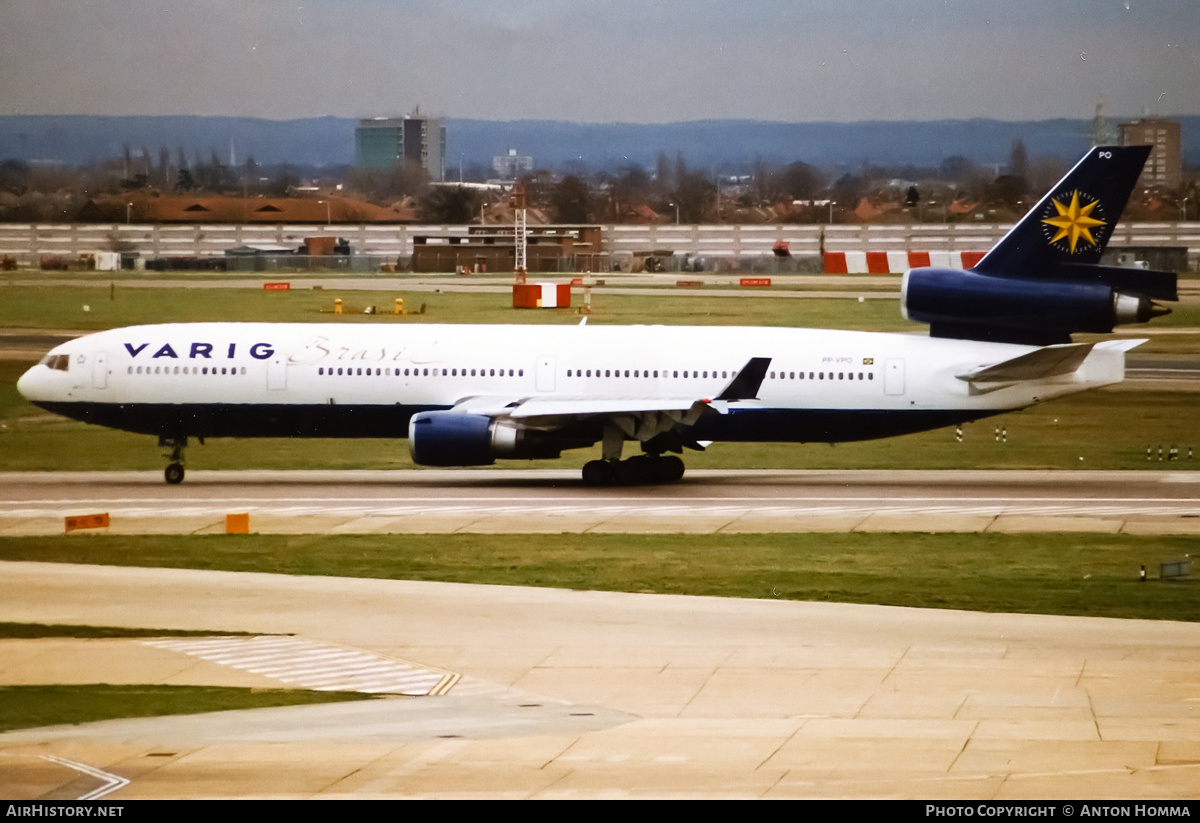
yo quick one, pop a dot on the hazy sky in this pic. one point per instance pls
(602, 60)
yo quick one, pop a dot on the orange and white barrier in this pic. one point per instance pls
(896, 262)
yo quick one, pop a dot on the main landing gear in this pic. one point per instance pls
(174, 471)
(643, 470)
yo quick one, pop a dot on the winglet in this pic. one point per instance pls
(747, 382)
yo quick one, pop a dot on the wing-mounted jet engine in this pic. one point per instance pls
(1043, 281)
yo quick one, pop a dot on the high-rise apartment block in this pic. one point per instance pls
(1164, 167)
(512, 165)
(389, 142)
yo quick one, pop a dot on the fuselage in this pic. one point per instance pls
(343, 380)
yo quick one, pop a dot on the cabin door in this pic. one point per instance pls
(545, 373)
(100, 370)
(277, 373)
(893, 376)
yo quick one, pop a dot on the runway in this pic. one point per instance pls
(571, 694)
(535, 501)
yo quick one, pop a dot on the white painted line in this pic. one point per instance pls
(112, 782)
(314, 666)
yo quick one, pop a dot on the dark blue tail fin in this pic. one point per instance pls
(1073, 222)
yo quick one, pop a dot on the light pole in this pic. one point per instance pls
(676, 205)
(328, 215)
(128, 212)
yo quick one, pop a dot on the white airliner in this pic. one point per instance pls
(468, 395)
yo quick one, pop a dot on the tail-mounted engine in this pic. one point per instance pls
(973, 306)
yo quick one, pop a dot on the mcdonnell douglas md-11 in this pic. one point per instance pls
(466, 395)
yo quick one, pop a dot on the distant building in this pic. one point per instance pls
(512, 165)
(388, 142)
(144, 208)
(1164, 168)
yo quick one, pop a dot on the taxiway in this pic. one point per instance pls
(568, 694)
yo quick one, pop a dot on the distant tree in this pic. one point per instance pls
(664, 172)
(14, 176)
(762, 173)
(448, 204)
(282, 183)
(695, 196)
(631, 187)
(387, 185)
(569, 201)
(799, 181)
(1018, 160)
(138, 181)
(184, 182)
(848, 190)
(956, 169)
(1044, 172)
(1007, 190)
(250, 175)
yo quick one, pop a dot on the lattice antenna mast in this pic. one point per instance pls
(517, 201)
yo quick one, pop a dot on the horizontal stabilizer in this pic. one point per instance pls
(1128, 344)
(1157, 285)
(1051, 361)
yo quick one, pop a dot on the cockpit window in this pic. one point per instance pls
(58, 362)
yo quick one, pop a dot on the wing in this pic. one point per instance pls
(638, 418)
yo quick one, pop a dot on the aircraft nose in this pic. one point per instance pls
(30, 384)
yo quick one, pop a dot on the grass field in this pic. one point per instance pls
(62, 307)
(28, 707)
(28, 631)
(1080, 574)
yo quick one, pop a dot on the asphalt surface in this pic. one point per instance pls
(527, 501)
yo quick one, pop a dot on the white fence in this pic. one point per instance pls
(28, 242)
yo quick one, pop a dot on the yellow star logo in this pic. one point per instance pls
(1074, 222)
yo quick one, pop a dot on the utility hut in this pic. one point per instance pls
(548, 249)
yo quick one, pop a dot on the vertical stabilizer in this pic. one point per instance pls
(1073, 222)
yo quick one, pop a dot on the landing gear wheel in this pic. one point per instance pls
(635, 471)
(643, 470)
(598, 473)
(670, 469)
(174, 474)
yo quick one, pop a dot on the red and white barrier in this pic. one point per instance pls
(541, 296)
(896, 262)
